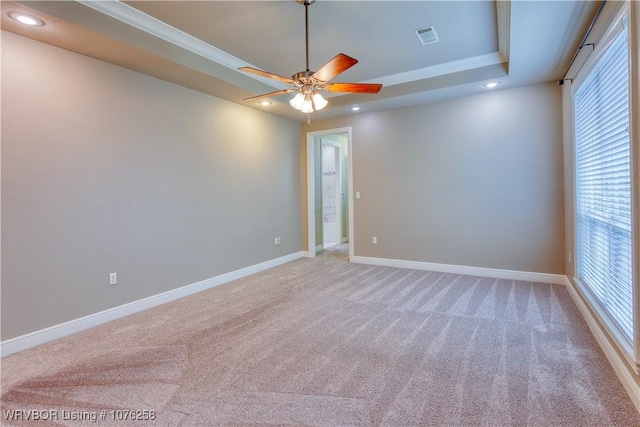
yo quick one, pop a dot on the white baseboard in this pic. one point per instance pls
(42, 336)
(621, 368)
(461, 269)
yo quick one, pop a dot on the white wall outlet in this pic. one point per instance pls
(374, 240)
(113, 278)
(275, 241)
(357, 194)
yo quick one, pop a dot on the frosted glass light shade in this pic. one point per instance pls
(297, 101)
(307, 106)
(319, 101)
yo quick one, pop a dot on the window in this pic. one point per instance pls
(603, 184)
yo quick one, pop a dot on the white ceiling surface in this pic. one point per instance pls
(516, 42)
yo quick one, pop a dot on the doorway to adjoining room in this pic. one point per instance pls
(329, 190)
(331, 195)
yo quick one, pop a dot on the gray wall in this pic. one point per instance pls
(107, 170)
(474, 181)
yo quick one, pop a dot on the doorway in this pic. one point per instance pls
(332, 194)
(329, 190)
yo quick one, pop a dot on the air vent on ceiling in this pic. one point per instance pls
(427, 35)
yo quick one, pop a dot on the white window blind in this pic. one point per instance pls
(603, 184)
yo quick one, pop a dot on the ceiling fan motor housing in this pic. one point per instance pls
(303, 76)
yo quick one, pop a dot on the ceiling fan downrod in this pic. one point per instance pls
(306, 4)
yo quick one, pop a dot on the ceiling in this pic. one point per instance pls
(200, 44)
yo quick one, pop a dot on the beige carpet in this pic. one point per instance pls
(326, 343)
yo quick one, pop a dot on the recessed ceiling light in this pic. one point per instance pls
(491, 85)
(26, 19)
(264, 103)
(355, 108)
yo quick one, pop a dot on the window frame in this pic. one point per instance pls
(633, 19)
(630, 349)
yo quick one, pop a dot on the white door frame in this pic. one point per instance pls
(311, 192)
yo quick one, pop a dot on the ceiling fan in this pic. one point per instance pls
(308, 84)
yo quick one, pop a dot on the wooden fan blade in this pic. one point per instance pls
(267, 75)
(354, 87)
(337, 65)
(270, 94)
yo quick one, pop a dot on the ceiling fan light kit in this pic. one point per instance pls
(308, 84)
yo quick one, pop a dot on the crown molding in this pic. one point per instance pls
(503, 11)
(440, 69)
(150, 25)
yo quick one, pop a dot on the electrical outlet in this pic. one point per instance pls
(374, 240)
(113, 278)
(275, 241)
